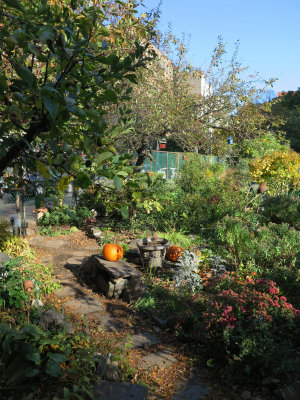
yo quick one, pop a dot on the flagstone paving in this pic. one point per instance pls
(77, 297)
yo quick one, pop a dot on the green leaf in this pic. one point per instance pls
(211, 363)
(50, 105)
(31, 373)
(14, 4)
(103, 156)
(53, 369)
(111, 95)
(48, 91)
(118, 182)
(83, 180)
(57, 357)
(136, 195)
(26, 75)
(122, 173)
(131, 77)
(63, 183)
(46, 33)
(43, 170)
(124, 212)
(104, 31)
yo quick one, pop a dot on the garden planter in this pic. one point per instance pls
(28, 285)
(153, 251)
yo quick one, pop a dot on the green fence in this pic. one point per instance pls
(168, 163)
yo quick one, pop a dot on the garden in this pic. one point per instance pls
(199, 274)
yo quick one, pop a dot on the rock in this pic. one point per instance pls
(107, 323)
(104, 390)
(193, 389)
(51, 318)
(269, 380)
(134, 289)
(160, 322)
(143, 339)
(133, 245)
(161, 358)
(85, 305)
(4, 258)
(291, 392)
(115, 279)
(107, 368)
(69, 288)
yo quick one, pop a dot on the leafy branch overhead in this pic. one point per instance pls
(59, 71)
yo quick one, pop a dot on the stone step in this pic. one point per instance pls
(104, 390)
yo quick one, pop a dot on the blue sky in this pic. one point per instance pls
(268, 31)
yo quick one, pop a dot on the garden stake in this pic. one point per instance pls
(87, 330)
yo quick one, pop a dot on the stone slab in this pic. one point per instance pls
(115, 270)
(161, 358)
(107, 323)
(104, 390)
(69, 288)
(77, 260)
(143, 339)
(193, 389)
(50, 244)
(85, 305)
(4, 258)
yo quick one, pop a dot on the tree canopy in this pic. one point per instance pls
(60, 68)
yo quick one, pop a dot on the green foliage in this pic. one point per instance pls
(268, 246)
(261, 146)
(31, 358)
(281, 209)
(4, 233)
(58, 75)
(211, 191)
(15, 272)
(16, 246)
(12, 293)
(64, 215)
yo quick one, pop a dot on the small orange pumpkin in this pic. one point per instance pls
(174, 252)
(112, 252)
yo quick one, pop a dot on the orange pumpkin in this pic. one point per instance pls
(112, 252)
(174, 252)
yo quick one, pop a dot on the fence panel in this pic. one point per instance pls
(168, 163)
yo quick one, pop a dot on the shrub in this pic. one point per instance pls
(268, 246)
(12, 276)
(251, 326)
(277, 244)
(283, 208)
(31, 359)
(211, 192)
(64, 215)
(280, 170)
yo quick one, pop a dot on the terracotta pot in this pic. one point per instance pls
(262, 188)
(28, 285)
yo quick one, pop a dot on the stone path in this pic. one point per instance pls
(75, 295)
